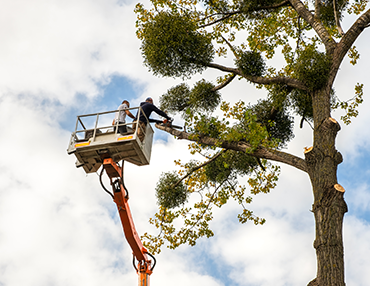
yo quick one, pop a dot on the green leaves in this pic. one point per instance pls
(327, 11)
(179, 39)
(351, 106)
(216, 183)
(278, 123)
(176, 99)
(251, 63)
(170, 191)
(172, 46)
(312, 67)
(229, 165)
(202, 98)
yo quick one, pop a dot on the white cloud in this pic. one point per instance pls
(55, 49)
(57, 227)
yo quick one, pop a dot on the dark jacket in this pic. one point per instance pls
(148, 108)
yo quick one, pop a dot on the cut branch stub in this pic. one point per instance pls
(339, 188)
(307, 149)
(331, 123)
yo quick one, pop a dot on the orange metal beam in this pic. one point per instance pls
(121, 199)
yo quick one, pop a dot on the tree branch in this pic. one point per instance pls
(231, 47)
(315, 24)
(262, 152)
(318, 8)
(225, 83)
(197, 168)
(346, 43)
(228, 15)
(232, 13)
(292, 82)
(337, 22)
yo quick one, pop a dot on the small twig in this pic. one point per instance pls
(231, 47)
(225, 83)
(220, 19)
(197, 168)
(209, 203)
(309, 123)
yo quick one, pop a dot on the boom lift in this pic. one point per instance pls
(120, 197)
(100, 144)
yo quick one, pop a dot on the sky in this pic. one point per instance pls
(60, 59)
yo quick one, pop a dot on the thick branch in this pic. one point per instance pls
(347, 41)
(315, 24)
(292, 82)
(262, 152)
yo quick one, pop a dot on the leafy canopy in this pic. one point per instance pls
(183, 37)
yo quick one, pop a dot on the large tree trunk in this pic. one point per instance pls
(329, 206)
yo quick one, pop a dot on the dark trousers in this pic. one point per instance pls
(121, 129)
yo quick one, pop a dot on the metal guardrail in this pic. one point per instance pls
(100, 124)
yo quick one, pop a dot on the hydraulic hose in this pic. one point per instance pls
(101, 183)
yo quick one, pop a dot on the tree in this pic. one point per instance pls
(182, 38)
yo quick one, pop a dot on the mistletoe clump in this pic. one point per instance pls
(173, 47)
(302, 103)
(201, 98)
(278, 123)
(176, 99)
(312, 67)
(170, 191)
(230, 164)
(204, 96)
(251, 63)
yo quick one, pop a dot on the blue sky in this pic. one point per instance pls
(58, 227)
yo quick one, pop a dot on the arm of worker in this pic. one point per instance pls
(159, 112)
(129, 114)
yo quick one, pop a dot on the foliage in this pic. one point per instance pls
(184, 37)
(170, 191)
(202, 98)
(251, 63)
(176, 99)
(302, 103)
(229, 165)
(312, 67)
(327, 11)
(278, 123)
(350, 106)
(353, 55)
(196, 220)
(172, 46)
(357, 6)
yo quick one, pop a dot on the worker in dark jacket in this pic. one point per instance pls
(147, 108)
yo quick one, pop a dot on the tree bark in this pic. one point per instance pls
(329, 206)
(262, 153)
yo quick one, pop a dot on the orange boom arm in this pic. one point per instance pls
(120, 195)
